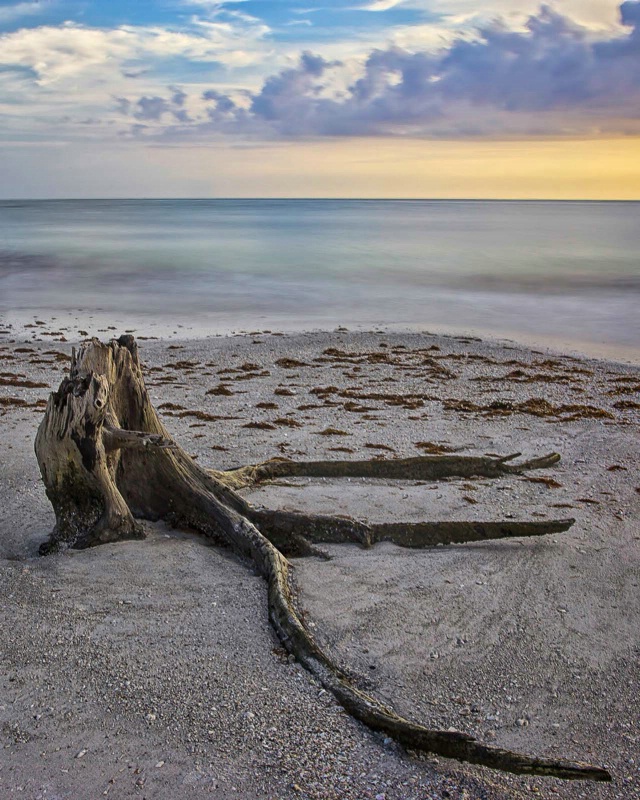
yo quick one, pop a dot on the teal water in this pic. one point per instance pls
(568, 270)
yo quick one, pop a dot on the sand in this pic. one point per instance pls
(148, 669)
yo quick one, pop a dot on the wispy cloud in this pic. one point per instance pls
(380, 5)
(16, 11)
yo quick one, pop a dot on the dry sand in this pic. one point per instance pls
(148, 669)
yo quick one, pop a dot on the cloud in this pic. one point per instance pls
(179, 96)
(57, 75)
(548, 76)
(630, 15)
(596, 14)
(285, 97)
(553, 76)
(153, 109)
(380, 5)
(150, 108)
(11, 13)
(56, 52)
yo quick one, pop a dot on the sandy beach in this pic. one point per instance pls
(149, 669)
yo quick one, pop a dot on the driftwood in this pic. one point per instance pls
(107, 461)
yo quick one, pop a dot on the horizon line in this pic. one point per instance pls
(328, 198)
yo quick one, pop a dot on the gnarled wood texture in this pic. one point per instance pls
(106, 461)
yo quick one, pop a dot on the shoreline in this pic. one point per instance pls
(32, 324)
(165, 645)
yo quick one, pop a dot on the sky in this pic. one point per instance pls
(320, 98)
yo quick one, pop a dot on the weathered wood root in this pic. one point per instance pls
(106, 458)
(296, 533)
(417, 468)
(288, 530)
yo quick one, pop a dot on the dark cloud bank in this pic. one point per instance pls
(553, 77)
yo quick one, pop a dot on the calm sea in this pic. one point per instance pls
(555, 272)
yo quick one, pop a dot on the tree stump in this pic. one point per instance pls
(107, 461)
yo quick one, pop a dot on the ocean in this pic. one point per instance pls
(565, 274)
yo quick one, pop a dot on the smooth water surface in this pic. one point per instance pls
(568, 271)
